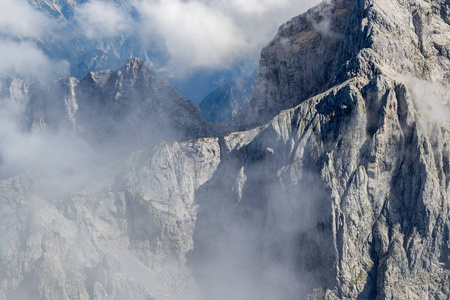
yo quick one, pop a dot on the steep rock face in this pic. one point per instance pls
(133, 104)
(13, 88)
(57, 8)
(347, 193)
(123, 236)
(129, 107)
(52, 105)
(338, 40)
(300, 62)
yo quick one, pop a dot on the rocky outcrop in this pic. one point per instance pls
(132, 104)
(125, 234)
(345, 195)
(300, 62)
(127, 109)
(338, 40)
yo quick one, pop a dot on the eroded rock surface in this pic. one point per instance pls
(119, 237)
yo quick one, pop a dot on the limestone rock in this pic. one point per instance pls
(124, 235)
(340, 39)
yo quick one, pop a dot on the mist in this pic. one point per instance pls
(37, 150)
(258, 226)
(83, 133)
(177, 38)
(214, 34)
(430, 99)
(18, 18)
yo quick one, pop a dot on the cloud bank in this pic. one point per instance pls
(57, 154)
(19, 19)
(25, 60)
(196, 34)
(21, 27)
(183, 36)
(100, 19)
(215, 34)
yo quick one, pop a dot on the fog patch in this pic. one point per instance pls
(19, 19)
(24, 59)
(432, 99)
(214, 34)
(195, 34)
(258, 237)
(101, 19)
(38, 150)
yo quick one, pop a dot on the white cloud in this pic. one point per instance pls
(100, 19)
(215, 34)
(24, 59)
(430, 98)
(49, 153)
(18, 18)
(195, 34)
(212, 34)
(258, 6)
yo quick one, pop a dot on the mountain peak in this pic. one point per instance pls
(134, 63)
(339, 40)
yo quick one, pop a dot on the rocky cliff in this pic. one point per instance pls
(345, 193)
(119, 234)
(130, 106)
(339, 40)
(337, 189)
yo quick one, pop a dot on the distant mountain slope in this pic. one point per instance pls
(67, 41)
(130, 107)
(225, 102)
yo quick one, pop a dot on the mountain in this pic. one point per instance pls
(129, 108)
(69, 41)
(336, 187)
(62, 9)
(323, 50)
(346, 193)
(115, 112)
(225, 102)
(134, 105)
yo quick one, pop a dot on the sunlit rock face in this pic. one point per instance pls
(338, 188)
(338, 40)
(345, 193)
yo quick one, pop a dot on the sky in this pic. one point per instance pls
(195, 35)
